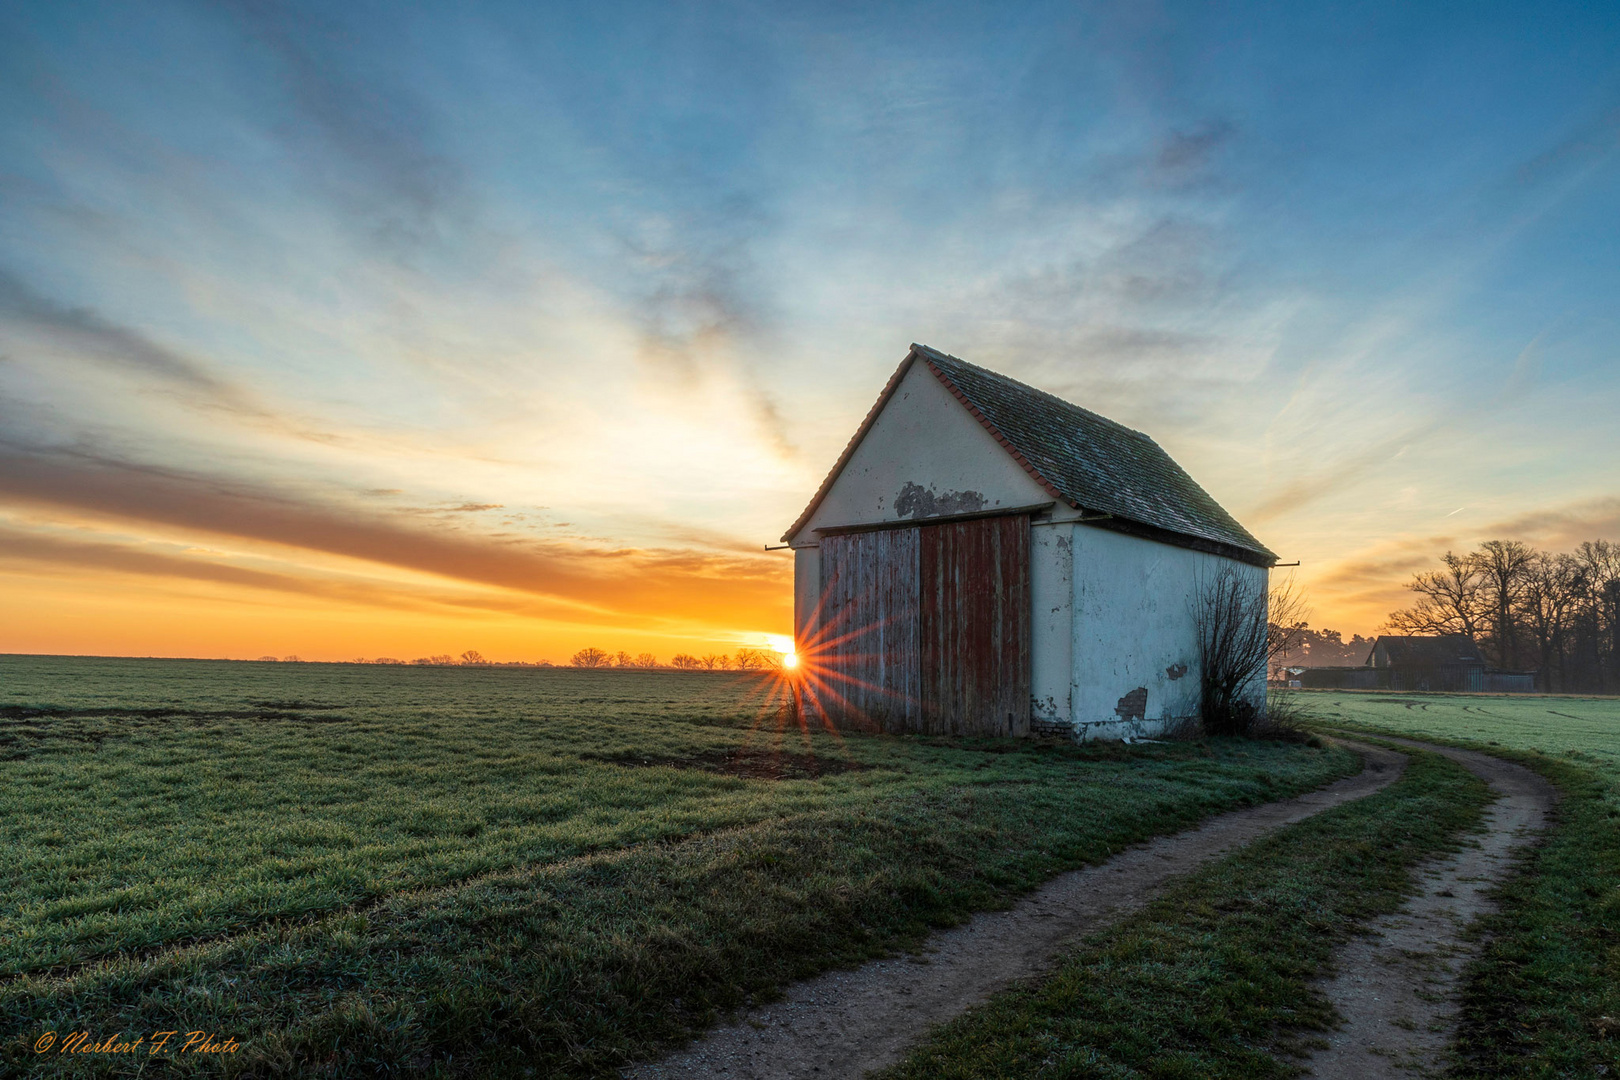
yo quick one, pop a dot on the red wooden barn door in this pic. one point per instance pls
(975, 626)
(926, 629)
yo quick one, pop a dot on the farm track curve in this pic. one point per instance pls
(1396, 987)
(844, 1023)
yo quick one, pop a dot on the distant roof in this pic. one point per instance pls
(1084, 459)
(1429, 651)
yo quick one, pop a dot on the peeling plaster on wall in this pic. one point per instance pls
(915, 501)
(1133, 706)
(1115, 730)
(1176, 671)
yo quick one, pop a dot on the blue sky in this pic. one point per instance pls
(537, 321)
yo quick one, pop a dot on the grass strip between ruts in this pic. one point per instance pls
(1542, 1000)
(1215, 979)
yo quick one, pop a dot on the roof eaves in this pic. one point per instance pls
(1176, 538)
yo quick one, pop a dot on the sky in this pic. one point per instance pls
(354, 330)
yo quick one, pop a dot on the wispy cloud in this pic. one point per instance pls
(1561, 528)
(88, 335)
(1184, 154)
(1350, 471)
(368, 142)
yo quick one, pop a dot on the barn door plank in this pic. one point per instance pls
(868, 664)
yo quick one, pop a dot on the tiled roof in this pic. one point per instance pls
(1084, 459)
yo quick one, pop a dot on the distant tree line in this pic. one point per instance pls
(1553, 612)
(744, 660)
(1304, 647)
(470, 658)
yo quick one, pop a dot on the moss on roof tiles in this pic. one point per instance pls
(1092, 461)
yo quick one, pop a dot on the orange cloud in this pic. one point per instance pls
(683, 583)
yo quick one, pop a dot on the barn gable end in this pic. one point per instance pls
(920, 454)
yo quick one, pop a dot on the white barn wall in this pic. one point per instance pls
(1134, 630)
(1051, 610)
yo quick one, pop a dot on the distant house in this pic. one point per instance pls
(986, 558)
(1442, 663)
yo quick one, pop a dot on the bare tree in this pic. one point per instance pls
(646, 660)
(1503, 567)
(1598, 614)
(474, 658)
(1450, 601)
(758, 659)
(1241, 629)
(685, 661)
(1556, 613)
(1287, 629)
(591, 658)
(1552, 588)
(712, 660)
(725, 661)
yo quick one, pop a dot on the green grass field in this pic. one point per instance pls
(487, 871)
(1585, 729)
(1543, 1000)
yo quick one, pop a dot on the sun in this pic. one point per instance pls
(783, 644)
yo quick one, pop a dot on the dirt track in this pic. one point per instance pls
(844, 1023)
(1396, 987)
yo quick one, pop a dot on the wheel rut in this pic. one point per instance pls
(844, 1023)
(1397, 986)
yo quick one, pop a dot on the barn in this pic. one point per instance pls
(986, 558)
